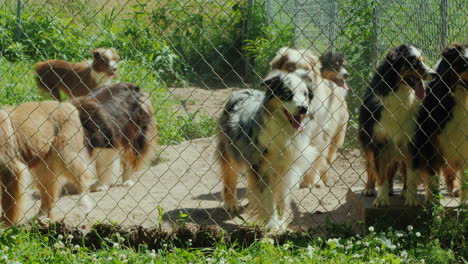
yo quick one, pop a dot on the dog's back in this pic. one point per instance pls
(118, 116)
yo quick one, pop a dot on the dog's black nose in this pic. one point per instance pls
(303, 109)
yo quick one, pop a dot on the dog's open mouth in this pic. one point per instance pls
(341, 83)
(296, 121)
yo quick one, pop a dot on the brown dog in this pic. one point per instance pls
(77, 79)
(120, 129)
(46, 137)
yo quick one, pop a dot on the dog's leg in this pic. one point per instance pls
(431, 181)
(79, 172)
(55, 92)
(107, 168)
(127, 172)
(312, 176)
(12, 191)
(392, 170)
(451, 180)
(369, 190)
(404, 176)
(229, 173)
(411, 199)
(47, 173)
(337, 141)
(383, 191)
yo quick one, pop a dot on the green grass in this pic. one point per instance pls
(19, 246)
(18, 85)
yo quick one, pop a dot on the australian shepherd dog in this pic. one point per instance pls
(77, 79)
(328, 127)
(263, 132)
(440, 141)
(387, 116)
(47, 139)
(120, 131)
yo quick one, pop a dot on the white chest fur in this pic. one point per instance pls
(454, 137)
(397, 121)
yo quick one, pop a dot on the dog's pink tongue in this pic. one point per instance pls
(298, 122)
(420, 90)
(342, 84)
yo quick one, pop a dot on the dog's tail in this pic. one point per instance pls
(12, 171)
(142, 149)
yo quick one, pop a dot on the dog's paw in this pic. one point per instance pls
(412, 201)
(273, 226)
(455, 193)
(98, 187)
(233, 208)
(382, 201)
(304, 185)
(369, 192)
(35, 195)
(128, 183)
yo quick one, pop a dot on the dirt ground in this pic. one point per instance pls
(187, 182)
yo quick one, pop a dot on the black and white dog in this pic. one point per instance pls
(263, 132)
(440, 141)
(387, 116)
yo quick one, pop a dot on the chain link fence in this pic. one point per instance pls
(186, 60)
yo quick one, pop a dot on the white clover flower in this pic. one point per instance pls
(63, 253)
(60, 237)
(70, 237)
(390, 228)
(422, 261)
(77, 246)
(152, 255)
(356, 256)
(310, 250)
(109, 259)
(399, 234)
(6, 248)
(268, 240)
(5, 258)
(366, 244)
(348, 247)
(404, 254)
(286, 246)
(358, 242)
(95, 260)
(392, 247)
(418, 234)
(377, 249)
(115, 245)
(410, 228)
(164, 245)
(371, 229)
(371, 262)
(122, 257)
(59, 245)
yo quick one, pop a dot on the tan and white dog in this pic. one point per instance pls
(48, 139)
(328, 127)
(77, 79)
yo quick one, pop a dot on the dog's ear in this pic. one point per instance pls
(97, 54)
(452, 52)
(274, 83)
(393, 55)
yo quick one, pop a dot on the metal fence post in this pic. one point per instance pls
(443, 23)
(332, 25)
(375, 33)
(269, 11)
(297, 20)
(18, 31)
